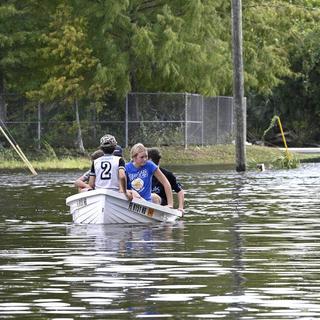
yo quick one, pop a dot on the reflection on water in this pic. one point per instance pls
(248, 248)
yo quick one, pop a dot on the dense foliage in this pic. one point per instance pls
(71, 50)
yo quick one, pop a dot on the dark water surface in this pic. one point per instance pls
(248, 248)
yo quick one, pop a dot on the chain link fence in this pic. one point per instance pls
(153, 119)
(178, 119)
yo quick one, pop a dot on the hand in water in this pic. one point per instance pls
(182, 211)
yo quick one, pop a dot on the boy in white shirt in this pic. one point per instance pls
(82, 183)
(108, 171)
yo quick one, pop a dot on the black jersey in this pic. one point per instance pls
(158, 188)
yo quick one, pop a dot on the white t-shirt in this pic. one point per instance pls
(106, 169)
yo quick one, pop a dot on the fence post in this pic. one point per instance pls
(39, 126)
(217, 119)
(202, 129)
(185, 120)
(94, 120)
(126, 122)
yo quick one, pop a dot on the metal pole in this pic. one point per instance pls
(126, 123)
(39, 126)
(283, 138)
(217, 121)
(202, 122)
(238, 85)
(185, 120)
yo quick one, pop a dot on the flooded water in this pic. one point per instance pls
(248, 248)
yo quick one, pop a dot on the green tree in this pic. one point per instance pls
(288, 94)
(92, 48)
(17, 38)
(185, 45)
(69, 63)
(160, 45)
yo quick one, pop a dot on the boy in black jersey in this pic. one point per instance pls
(155, 155)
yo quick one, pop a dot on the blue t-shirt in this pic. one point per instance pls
(140, 179)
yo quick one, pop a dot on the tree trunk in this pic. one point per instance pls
(3, 105)
(79, 141)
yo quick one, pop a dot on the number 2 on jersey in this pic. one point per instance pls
(106, 174)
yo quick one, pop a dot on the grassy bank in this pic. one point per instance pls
(211, 155)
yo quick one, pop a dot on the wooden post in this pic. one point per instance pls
(238, 85)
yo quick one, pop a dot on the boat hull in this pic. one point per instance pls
(107, 207)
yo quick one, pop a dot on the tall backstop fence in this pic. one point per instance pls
(153, 119)
(178, 119)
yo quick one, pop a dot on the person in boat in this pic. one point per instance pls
(140, 171)
(108, 171)
(157, 188)
(118, 151)
(82, 183)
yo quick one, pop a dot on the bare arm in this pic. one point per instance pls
(181, 200)
(122, 180)
(167, 187)
(92, 181)
(130, 194)
(79, 183)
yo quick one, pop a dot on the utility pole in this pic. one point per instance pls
(238, 86)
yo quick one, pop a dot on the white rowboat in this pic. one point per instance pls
(108, 206)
